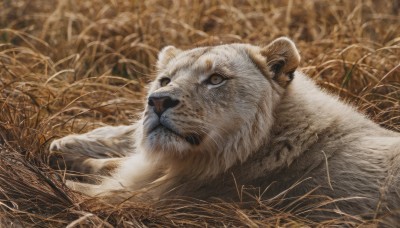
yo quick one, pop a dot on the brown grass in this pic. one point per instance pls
(70, 66)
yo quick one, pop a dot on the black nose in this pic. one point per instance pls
(161, 104)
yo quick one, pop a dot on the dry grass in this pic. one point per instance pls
(70, 66)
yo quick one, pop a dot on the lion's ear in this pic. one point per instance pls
(282, 58)
(166, 54)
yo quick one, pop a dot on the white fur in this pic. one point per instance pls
(260, 127)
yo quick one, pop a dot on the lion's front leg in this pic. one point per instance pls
(129, 175)
(97, 152)
(104, 142)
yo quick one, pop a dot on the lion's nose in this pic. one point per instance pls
(161, 104)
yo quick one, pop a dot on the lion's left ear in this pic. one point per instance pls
(282, 58)
(166, 54)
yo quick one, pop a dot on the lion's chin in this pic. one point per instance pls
(193, 139)
(166, 141)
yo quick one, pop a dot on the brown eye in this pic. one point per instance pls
(215, 79)
(164, 81)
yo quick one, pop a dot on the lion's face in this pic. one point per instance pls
(204, 100)
(200, 98)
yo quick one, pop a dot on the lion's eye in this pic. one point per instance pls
(164, 81)
(215, 79)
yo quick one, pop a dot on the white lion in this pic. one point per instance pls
(225, 116)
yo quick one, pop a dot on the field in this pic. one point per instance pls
(69, 66)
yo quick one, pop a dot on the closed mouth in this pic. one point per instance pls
(192, 139)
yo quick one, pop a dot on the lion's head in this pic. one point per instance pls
(216, 104)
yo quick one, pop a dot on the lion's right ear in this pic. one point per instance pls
(166, 54)
(282, 58)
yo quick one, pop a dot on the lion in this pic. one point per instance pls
(221, 117)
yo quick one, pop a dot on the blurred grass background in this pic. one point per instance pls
(69, 66)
